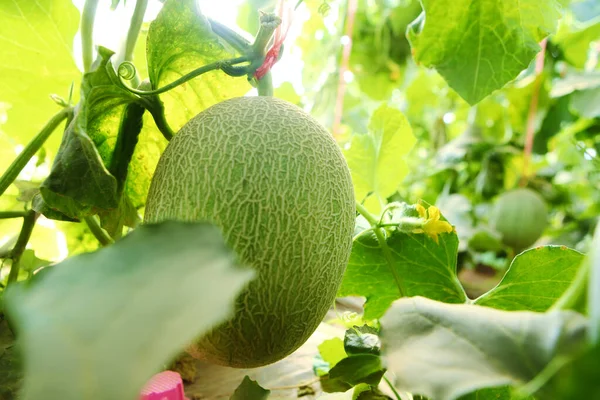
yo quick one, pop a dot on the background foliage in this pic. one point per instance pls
(449, 103)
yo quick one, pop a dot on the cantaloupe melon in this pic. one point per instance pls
(520, 216)
(275, 182)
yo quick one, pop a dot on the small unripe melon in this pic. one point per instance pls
(275, 182)
(520, 215)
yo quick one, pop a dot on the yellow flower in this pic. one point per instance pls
(432, 226)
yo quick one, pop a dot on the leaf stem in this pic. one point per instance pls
(387, 253)
(29, 151)
(12, 214)
(392, 388)
(233, 38)
(22, 240)
(576, 289)
(541, 379)
(88, 17)
(157, 110)
(135, 25)
(99, 233)
(366, 214)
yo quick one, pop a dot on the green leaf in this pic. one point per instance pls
(121, 313)
(368, 392)
(39, 205)
(11, 375)
(535, 279)
(332, 351)
(145, 157)
(577, 380)
(586, 103)
(30, 263)
(575, 40)
(89, 172)
(362, 340)
(362, 368)
(455, 349)
(114, 220)
(478, 46)
(376, 158)
(180, 40)
(423, 267)
(250, 390)
(36, 45)
(500, 393)
(79, 183)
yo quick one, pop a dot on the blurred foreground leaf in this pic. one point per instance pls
(112, 318)
(444, 351)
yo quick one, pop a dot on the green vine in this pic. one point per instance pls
(32, 147)
(230, 36)
(12, 214)
(137, 19)
(127, 71)
(22, 240)
(88, 17)
(99, 233)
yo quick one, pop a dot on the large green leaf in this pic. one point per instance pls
(36, 41)
(480, 45)
(376, 158)
(444, 351)
(112, 318)
(535, 280)
(180, 40)
(424, 268)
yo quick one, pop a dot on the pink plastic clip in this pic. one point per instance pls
(166, 385)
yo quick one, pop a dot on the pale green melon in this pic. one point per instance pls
(276, 183)
(520, 215)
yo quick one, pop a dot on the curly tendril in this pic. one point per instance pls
(228, 66)
(127, 70)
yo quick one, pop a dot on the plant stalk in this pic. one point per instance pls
(12, 214)
(234, 39)
(33, 147)
(88, 17)
(265, 85)
(99, 233)
(135, 26)
(22, 240)
(268, 24)
(157, 110)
